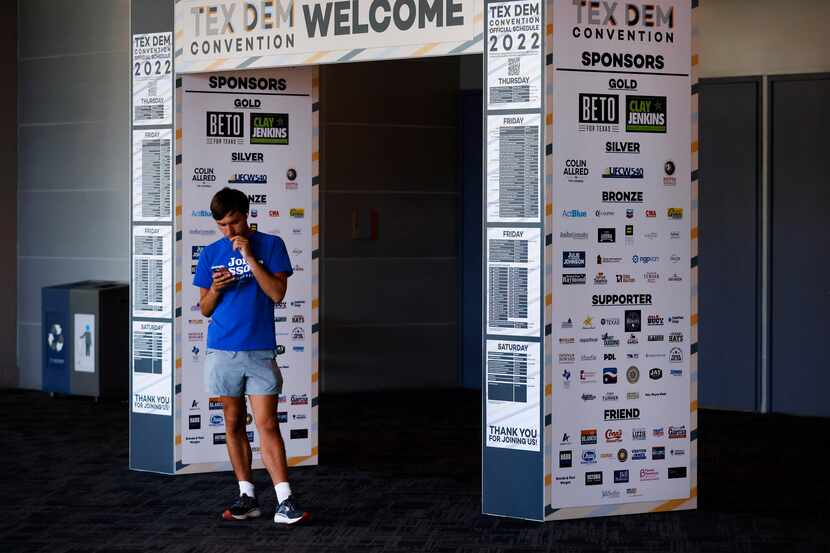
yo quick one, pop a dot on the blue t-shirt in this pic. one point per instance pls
(244, 316)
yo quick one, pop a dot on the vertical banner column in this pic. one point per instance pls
(152, 404)
(513, 455)
(623, 379)
(252, 131)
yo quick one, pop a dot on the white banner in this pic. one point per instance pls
(152, 285)
(621, 290)
(152, 175)
(512, 417)
(152, 373)
(514, 281)
(514, 55)
(257, 140)
(514, 144)
(153, 79)
(216, 29)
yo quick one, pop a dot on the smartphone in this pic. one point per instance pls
(217, 268)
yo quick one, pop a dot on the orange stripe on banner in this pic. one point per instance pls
(548, 299)
(694, 233)
(479, 17)
(178, 134)
(315, 304)
(695, 59)
(695, 147)
(315, 82)
(179, 363)
(424, 49)
(315, 376)
(178, 439)
(549, 119)
(693, 406)
(178, 211)
(548, 480)
(297, 460)
(178, 287)
(180, 34)
(674, 503)
(315, 156)
(694, 319)
(215, 64)
(549, 29)
(315, 229)
(548, 389)
(316, 56)
(548, 209)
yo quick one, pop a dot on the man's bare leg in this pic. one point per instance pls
(271, 442)
(239, 449)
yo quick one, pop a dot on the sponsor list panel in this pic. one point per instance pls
(621, 292)
(249, 130)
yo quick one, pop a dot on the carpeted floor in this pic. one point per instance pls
(400, 472)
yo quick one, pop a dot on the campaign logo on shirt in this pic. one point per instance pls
(240, 269)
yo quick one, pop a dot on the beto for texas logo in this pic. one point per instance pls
(269, 128)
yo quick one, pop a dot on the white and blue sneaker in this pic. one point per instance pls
(243, 508)
(288, 513)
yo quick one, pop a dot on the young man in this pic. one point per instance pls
(241, 277)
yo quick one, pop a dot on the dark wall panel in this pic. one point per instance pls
(728, 243)
(389, 292)
(8, 197)
(800, 294)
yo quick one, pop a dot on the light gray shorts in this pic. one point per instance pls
(237, 373)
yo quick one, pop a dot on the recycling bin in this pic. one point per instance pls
(86, 338)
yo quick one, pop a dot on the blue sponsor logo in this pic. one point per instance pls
(247, 178)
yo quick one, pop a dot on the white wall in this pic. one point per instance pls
(763, 37)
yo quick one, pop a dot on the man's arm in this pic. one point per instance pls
(273, 284)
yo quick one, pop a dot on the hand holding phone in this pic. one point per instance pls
(222, 277)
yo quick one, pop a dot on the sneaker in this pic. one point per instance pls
(244, 507)
(288, 513)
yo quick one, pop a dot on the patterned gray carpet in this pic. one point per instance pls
(400, 472)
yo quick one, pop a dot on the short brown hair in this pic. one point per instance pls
(227, 201)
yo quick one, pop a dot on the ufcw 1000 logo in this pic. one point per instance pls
(269, 128)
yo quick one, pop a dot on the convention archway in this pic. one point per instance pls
(590, 228)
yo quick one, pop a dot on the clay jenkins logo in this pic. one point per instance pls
(269, 128)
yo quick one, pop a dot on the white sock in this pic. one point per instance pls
(283, 491)
(247, 488)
